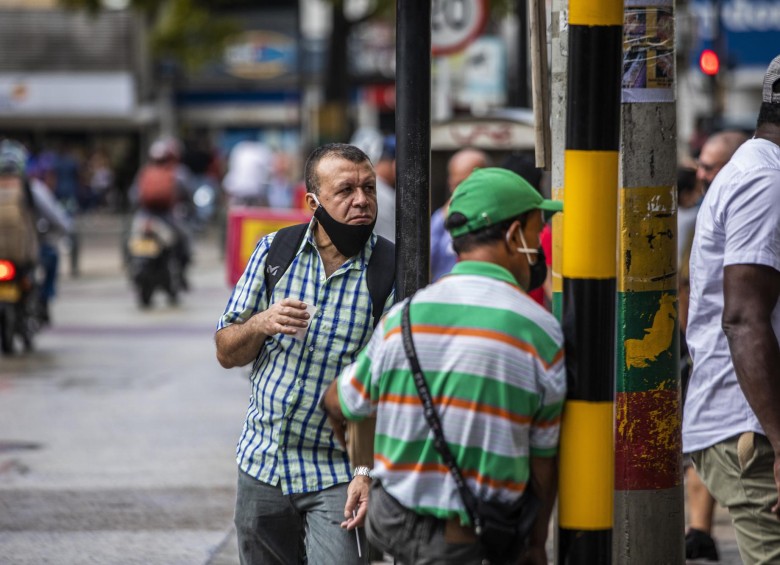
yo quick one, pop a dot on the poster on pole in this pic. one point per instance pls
(648, 51)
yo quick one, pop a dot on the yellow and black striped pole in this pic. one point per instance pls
(585, 511)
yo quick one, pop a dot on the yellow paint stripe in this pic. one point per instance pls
(557, 248)
(596, 12)
(590, 218)
(587, 466)
(648, 239)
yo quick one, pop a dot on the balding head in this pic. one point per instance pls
(462, 163)
(716, 152)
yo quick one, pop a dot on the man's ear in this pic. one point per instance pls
(311, 203)
(513, 239)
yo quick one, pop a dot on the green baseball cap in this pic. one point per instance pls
(491, 195)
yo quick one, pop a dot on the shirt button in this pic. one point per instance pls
(300, 382)
(311, 348)
(284, 448)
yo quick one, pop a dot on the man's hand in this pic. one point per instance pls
(534, 555)
(285, 317)
(238, 344)
(339, 430)
(357, 499)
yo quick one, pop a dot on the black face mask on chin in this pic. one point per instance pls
(349, 239)
(538, 271)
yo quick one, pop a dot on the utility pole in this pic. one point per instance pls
(519, 94)
(649, 507)
(413, 154)
(585, 512)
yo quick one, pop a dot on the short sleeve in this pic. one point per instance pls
(357, 384)
(248, 297)
(751, 221)
(546, 424)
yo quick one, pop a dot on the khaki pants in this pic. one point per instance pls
(739, 474)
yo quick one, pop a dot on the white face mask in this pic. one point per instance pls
(530, 254)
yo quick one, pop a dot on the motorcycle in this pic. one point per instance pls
(153, 262)
(20, 309)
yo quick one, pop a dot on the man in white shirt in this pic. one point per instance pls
(732, 410)
(249, 173)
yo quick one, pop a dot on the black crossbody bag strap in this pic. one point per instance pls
(432, 416)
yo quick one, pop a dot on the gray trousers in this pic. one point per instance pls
(299, 528)
(413, 538)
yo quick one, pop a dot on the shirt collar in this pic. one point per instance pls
(485, 269)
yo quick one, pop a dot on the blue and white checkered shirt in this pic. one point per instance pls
(287, 436)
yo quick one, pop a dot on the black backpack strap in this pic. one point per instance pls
(281, 253)
(380, 275)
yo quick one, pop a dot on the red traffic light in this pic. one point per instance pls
(709, 62)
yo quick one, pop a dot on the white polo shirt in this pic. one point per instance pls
(738, 223)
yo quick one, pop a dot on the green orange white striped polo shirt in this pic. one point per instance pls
(493, 360)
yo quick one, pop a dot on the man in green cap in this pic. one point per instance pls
(493, 361)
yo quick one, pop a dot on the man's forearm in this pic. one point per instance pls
(544, 481)
(750, 295)
(238, 344)
(756, 357)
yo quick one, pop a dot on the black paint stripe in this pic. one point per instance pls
(594, 87)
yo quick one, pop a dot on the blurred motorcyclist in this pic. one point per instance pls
(163, 185)
(51, 220)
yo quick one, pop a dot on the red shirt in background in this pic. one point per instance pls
(546, 240)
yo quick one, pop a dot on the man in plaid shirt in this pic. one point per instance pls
(295, 485)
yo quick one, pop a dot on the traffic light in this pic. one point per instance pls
(709, 63)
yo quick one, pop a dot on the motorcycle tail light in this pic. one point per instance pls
(7, 270)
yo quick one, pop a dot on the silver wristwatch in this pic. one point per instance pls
(361, 471)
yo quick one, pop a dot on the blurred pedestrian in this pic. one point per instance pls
(100, 180)
(53, 225)
(715, 153)
(280, 185)
(385, 189)
(493, 362)
(731, 422)
(248, 174)
(295, 484)
(68, 188)
(688, 199)
(459, 166)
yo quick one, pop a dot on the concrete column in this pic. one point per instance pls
(649, 509)
(560, 60)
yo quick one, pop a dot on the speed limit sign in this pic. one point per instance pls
(455, 24)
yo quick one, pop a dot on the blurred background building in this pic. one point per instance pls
(296, 73)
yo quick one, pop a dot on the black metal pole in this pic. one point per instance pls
(413, 155)
(520, 96)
